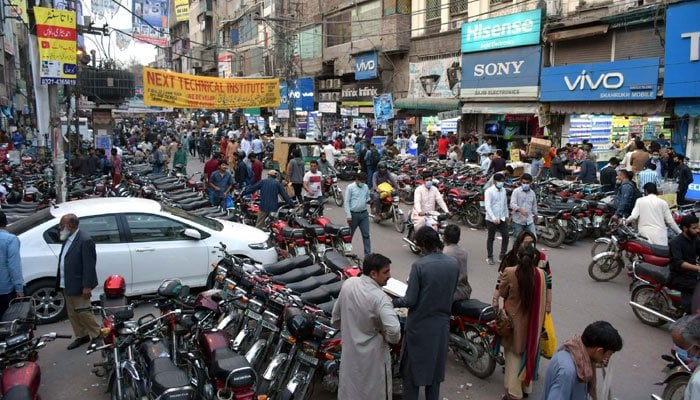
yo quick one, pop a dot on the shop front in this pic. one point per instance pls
(356, 103)
(606, 103)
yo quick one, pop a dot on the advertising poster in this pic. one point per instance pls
(182, 10)
(18, 9)
(56, 33)
(383, 107)
(519, 29)
(150, 21)
(171, 89)
(435, 78)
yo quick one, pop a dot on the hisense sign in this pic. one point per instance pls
(512, 30)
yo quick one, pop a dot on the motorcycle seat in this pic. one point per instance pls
(298, 274)
(232, 368)
(312, 282)
(23, 313)
(658, 250)
(337, 230)
(292, 233)
(336, 261)
(323, 294)
(315, 230)
(286, 265)
(18, 392)
(195, 205)
(171, 186)
(166, 376)
(327, 307)
(473, 308)
(117, 307)
(302, 222)
(652, 272)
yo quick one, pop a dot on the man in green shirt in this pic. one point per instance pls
(180, 159)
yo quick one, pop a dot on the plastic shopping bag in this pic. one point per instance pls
(548, 340)
(229, 201)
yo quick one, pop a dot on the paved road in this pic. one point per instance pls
(577, 301)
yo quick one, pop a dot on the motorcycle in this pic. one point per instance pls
(472, 335)
(652, 301)
(331, 188)
(678, 374)
(625, 243)
(549, 231)
(388, 208)
(433, 219)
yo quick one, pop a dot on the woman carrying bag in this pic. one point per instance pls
(524, 290)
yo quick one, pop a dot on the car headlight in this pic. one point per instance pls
(260, 246)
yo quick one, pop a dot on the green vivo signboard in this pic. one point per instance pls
(520, 29)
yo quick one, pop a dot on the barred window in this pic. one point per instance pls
(397, 7)
(458, 6)
(432, 9)
(339, 30)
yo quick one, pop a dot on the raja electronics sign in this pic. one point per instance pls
(509, 73)
(682, 56)
(610, 81)
(520, 29)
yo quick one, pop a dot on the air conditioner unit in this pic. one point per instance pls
(196, 64)
(335, 96)
(321, 84)
(456, 24)
(336, 83)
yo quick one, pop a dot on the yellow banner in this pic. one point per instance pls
(56, 35)
(170, 89)
(182, 10)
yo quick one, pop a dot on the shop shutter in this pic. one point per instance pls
(584, 50)
(638, 42)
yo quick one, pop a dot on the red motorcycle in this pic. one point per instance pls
(625, 243)
(472, 336)
(652, 301)
(289, 241)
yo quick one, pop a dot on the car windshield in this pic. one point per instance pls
(24, 224)
(204, 221)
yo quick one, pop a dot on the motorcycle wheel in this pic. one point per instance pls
(130, 389)
(485, 364)
(645, 295)
(338, 197)
(599, 247)
(407, 197)
(675, 388)
(604, 269)
(414, 249)
(399, 222)
(551, 236)
(473, 216)
(572, 233)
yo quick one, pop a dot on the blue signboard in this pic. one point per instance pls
(682, 57)
(366, 66)
(608, 81)
(520, 29)
(383, 107)
(694, 189)
(512, 73)
(299, 92)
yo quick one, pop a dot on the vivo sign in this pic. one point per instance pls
(682, 55)
(366, 66)
(621, 80)
(512, 30)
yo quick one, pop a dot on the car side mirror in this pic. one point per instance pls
(192, 234)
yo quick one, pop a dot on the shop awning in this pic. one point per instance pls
(640, 107)
(690, 107)
(427, 104)
(500, 108)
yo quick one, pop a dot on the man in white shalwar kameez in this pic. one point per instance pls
(368, 324)
(653, 216)
(424, 199)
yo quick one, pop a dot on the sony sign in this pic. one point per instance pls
(507, 74)
(500, 68)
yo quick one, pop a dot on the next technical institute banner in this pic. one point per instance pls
(171, 89)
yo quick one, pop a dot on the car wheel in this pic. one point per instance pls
(50, 303)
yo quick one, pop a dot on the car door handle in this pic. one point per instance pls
(145, 249)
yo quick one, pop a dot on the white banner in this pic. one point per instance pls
(328, 107)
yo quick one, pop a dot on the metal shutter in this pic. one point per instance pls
(584, 50)
(638, 42)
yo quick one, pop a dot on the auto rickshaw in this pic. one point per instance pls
(284, 146)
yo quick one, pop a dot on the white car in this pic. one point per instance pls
(139, 239)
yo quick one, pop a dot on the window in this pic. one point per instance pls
(247, 28)
(103, 229)
(432, 9)
(154, 228)
(365, 20)
(310, 43)
(22, 225)
(339, 29)
(397, 7)
(458, 6)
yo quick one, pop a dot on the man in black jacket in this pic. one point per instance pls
(684, 252)
(76, 277)
(608, 175)
(684, 177)
(557, 169)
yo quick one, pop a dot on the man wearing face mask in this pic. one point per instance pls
(523, 202)
(496, 204)
(76, 277)
(356, 199)
(557, 168)
(424, 200)
(656, 160)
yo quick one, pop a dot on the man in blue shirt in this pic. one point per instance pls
(270, 190)
(221, 183)
(572, 371)
(11, 280)
(626, 195)
(17, 140)
(356, 198)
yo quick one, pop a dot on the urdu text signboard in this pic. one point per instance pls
(513, 30)
(171, 89)
(182, 10)
(56, 33)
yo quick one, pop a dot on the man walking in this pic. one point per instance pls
(571, 374)
(485, 149)
(431, 287)
(116, 168)
(368, 325)
(312, 183)
(496, 205)
(608, 175)
(221, 183)
(356, 198)
(683, 175)
(625, 196)
(76, 277)
(653, 216)
(452, 249)
(11, 279)
(270, 190)
(523, 202)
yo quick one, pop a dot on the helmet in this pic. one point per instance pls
(381, 165)
(115, 286)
